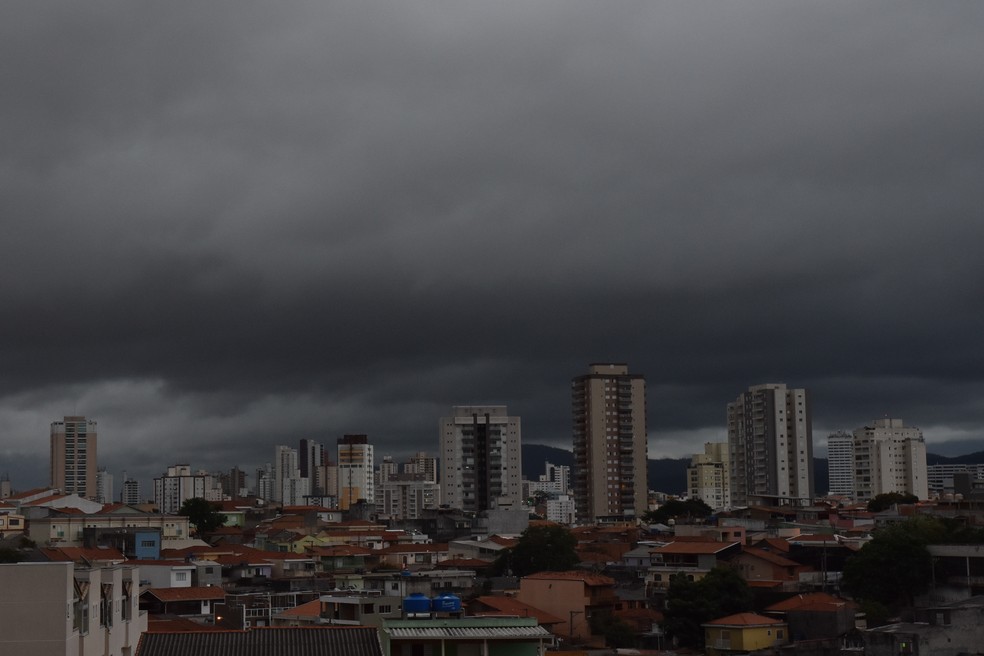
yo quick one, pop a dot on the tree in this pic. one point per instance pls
(203, 514)
(885, 501)
(675, 508)
(540, 549)
(895, 565)
(689, 604)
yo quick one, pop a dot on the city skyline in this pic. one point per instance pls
(223, 231)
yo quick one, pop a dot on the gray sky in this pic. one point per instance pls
(225, 226)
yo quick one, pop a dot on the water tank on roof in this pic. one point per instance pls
(446, 603)
(416, 603)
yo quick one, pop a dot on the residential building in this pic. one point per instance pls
(555, 480)
(179, 483)
(406, 496)
(941, 480)
(889, 457)
(840, 464)
(692, 559)
(770, 446)
(54, 609)
(74, 456)
(744, 633)
(610, 442)
(104, 486)
(310, 462)
(355, 470)
(480, 449)
(131, 491)
(67, 529)
(286, 471)
(421, 463)
(562, 510)
(573, 596)
(708, 478)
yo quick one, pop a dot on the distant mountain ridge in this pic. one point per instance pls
(670, 474)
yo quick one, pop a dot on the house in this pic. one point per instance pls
(948, 630)
(572, 596)
(166, 573)
(424, 582)
(815, 616)
(54, 609)
(489, 606)
(495, 636)
(272, 641)
(744, 633)
(760, 565)
(693, 559)
(181, 601)
(412, 556)
(487, 549)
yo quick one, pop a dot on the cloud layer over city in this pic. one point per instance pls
(226, 226)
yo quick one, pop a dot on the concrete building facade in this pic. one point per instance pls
(770, 446)
(74, 456)
(889, 457)
(356, 470)
(482, 462)
(708, 478)
(840, 464)
(610, 442)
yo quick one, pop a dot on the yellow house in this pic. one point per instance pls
(744, 633)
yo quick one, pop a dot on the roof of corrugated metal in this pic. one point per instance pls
(483, 632)
(293, 641)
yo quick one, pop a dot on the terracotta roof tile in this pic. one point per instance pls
(512, 606)
(744, 619)
(572, 575)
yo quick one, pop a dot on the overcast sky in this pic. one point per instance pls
(226, 226)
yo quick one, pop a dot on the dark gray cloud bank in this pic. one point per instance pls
(225, 226)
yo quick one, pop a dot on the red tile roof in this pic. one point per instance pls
(694, 547)
(414, 548)
(310, 609)
(744, 619)
(813, 601)
(512, 606)
(770, 557)
(572, 575)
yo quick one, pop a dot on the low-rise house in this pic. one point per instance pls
(815, 616)
(66, 527)
(167, 573)
(11, 522)
(574, 596)
(948, 630)
(495, 636)
(744, 633)
(491, 606)
(196, 602)
(424, 582)
(479, 548)
(412, 556)
(760, 565)
(344, 559)
(693, 559)
(365, 608)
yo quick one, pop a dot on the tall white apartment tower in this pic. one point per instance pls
(356, 470)
(770, 446)
(889, 457)
(481, 460)
(73, 456)
(840, 464)
(610, 442)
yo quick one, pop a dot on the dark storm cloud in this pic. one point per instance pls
(239, 224)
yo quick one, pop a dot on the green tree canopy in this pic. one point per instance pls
(885, 501)
(689, 604)
(203, 514)
(540, 549)
(677, 509)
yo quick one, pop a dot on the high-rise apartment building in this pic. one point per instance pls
(73, 456)
(179, 483)
(770, 445)
(131, 491)
(610, 442)
(355, 470)
(481, 460)
(311, 459)
(708, 478)
(889, 457)
(104, 486)
(840, 464)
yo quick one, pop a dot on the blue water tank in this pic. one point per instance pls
(416, 603)
(446, 603)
